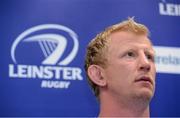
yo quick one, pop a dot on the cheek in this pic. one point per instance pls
(126, 71)
(153, 71)
(119, 78)
(127, 68)
(121, 71)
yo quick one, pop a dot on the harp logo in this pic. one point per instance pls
(52, 41)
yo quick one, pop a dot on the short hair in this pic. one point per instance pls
(96, 49)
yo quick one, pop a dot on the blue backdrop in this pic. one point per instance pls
(43, 46)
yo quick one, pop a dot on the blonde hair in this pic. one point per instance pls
(95, 53)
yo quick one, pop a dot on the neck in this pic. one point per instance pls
(109, 107)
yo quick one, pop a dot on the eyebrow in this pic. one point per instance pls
(152, 51)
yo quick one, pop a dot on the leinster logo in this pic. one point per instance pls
(52, 41)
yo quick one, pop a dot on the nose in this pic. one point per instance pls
(144, 64)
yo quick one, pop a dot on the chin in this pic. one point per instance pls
(145, 94)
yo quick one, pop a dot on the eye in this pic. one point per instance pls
(150, 57)
(130, 54)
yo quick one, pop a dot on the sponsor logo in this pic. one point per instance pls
(53, 69)
(167, 59)
(169, 9)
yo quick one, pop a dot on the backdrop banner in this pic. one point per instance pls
(43, 44)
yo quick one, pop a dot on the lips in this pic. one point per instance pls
(144, 79)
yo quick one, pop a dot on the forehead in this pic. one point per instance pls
(127, 39)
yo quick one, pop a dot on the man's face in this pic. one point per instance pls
(130, 70)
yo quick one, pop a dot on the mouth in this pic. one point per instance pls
(144, 79)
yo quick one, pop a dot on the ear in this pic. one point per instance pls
(95, 74)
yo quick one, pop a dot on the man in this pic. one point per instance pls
(121, 70)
